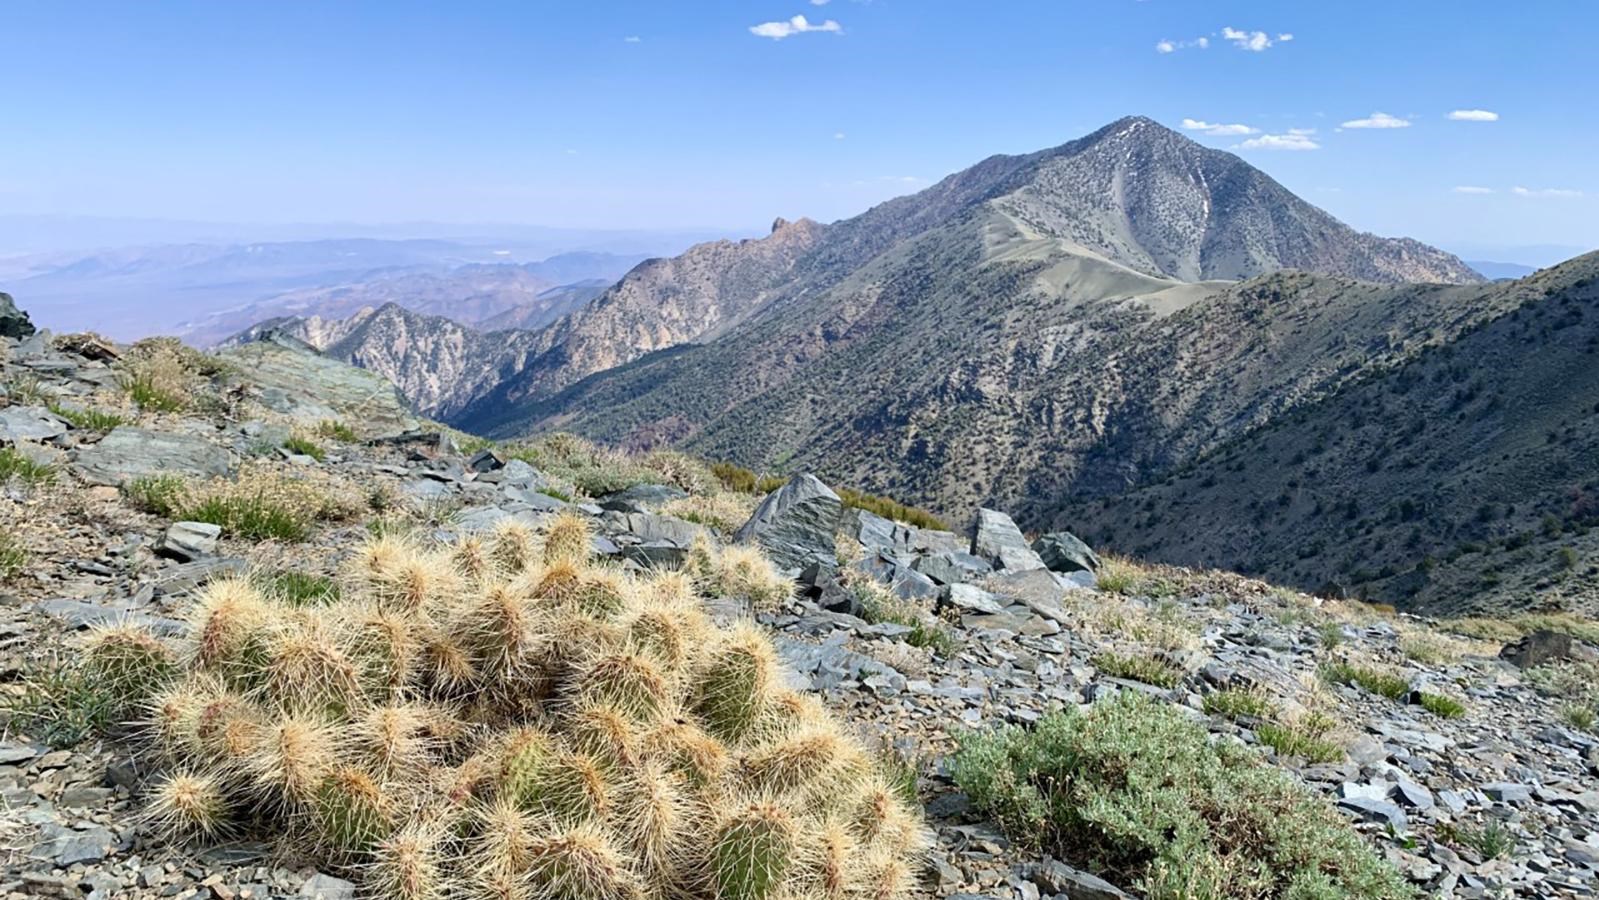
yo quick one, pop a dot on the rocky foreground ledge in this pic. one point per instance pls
(1461, 751)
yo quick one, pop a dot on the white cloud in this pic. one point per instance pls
(1545, 192)
(1474, 115)
(632, 39)
(1378, 120)
(1472, 189)
(818, 2)
(1254, 41)
(1293, 139)
(838, 135)
(797, 25)
(1285, 37)
(1217, 130)
(1201, 43)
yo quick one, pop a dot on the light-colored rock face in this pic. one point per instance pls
(311, 388)
(127, 453)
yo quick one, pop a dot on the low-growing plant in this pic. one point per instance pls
(1305, 737)
(880, 604)
(1232, 703)
(87, 419)
(296, 588)
(723, 511)
(1134, 791)
(1331, 635)
(305, 447)
(156, 494)
(26, 390)
(1491, 841)
(338, 431)
(1440, 705)
(14, 465)
(1141, 667)
(1578, 715)
(60, 706)
(13, 557)
(262, 503)
(1376, 681)
(503, 717)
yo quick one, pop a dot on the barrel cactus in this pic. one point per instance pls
(505, 717)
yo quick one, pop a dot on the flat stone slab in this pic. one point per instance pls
(129, 452)
(29, 423)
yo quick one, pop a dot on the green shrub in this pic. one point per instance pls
(263, 503)
(1138, 667)
(1133, 790)
(1331, 634)
(87, 419)
(305, 447)
(14, 465)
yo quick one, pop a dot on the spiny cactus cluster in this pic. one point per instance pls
(500, 718)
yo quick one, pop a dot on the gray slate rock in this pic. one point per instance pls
(1380, 811)
(326, 887)
(996, 539)
(1055, 877)
(29, 423)
(795, 523)
(14, 323)
(189, 541)
(642, 498)
(971, 599)
(128, 452)
(1062, 551)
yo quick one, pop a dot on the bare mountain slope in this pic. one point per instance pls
(1133, 193)
(1462, 477)
(437, 363)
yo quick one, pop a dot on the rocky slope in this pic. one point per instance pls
(439, 364)
(1464, 475)
(925, 634)
(1134, 194)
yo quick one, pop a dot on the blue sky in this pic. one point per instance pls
(725, 114)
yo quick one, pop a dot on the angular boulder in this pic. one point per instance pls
(14, 323)
(128, 452)
(1063, 551)
(996, 538)
(795, 523)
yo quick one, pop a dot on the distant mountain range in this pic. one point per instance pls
(1059, 333)
(206, 291)
(1500, 271)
